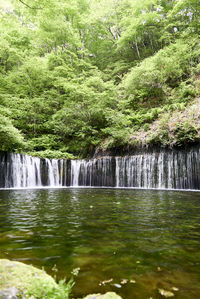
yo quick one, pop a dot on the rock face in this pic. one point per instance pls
(109, 295)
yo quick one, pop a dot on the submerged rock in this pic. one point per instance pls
(109, 295)
(166, 293)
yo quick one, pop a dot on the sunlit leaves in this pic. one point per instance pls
(11, 138)
(80, 73)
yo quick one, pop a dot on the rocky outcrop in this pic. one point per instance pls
(18, 280)
(21, 280)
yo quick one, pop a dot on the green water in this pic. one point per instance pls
(149, 237)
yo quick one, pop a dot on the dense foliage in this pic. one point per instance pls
(83, 74)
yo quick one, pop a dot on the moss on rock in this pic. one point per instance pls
(109, 295)
(18, 280)
(28, 280)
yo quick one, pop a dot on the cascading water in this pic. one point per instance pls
(164, 169)
(18, 171)
(94, 172)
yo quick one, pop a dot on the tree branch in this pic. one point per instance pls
(28, 5)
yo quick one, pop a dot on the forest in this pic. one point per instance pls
(82, 75)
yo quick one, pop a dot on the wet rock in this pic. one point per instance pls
(109, 295)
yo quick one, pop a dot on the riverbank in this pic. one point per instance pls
(18, 280)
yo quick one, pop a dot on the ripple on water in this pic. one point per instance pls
(150, 239)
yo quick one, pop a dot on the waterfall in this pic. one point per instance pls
(75, 171)
(166, 169)
(163, 169)
(53, 172)
(19, 171)
(94, 172)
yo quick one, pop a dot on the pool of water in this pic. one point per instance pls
(133, 242)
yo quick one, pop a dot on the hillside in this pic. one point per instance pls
(83, 74)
